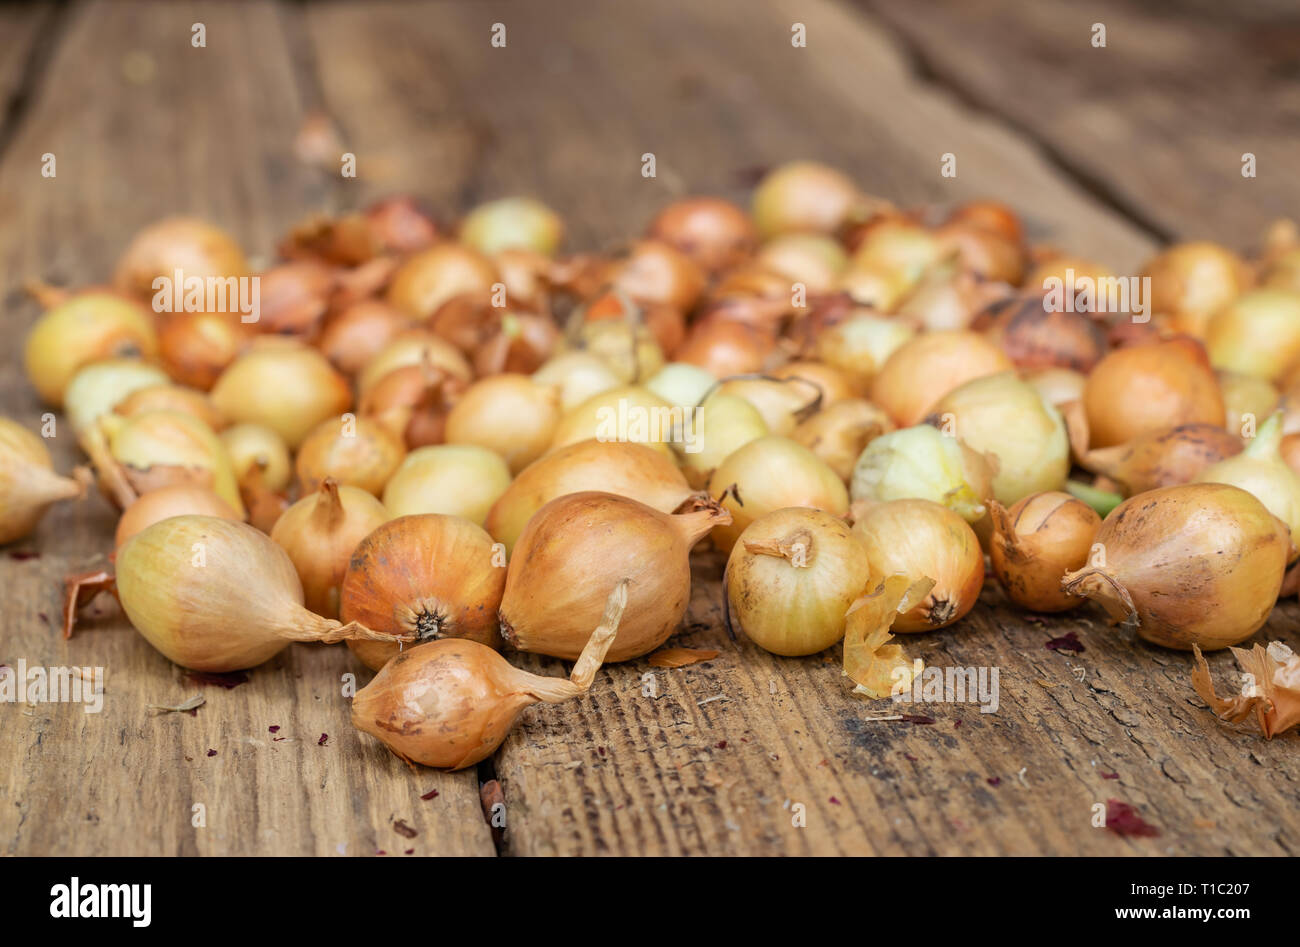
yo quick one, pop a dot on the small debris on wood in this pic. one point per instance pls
(22, 555)
(917, 719)
(1110, 775)
(190, 706)
(1123, 819)
(324, 740)
(228, 681)
(1067, 642)
(709, 700)
(211, 753)
(994, 780)
(274, 728)
(431, 794)
(404, 830)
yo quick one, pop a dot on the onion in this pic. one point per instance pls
(991, 216)
(875, 286)
(400, 224)
(195, 247)
(1058, 386)
(1036, 542)
(629, 350)
(946, 298)
(179, 500)
(561, 567)
(832, 383)
(628, 413)
(320, 532)
(218, 596)
(1257, 334)
(1192, 281)
(681, 384)
(986, 253)
(812, 259)
(431, 277)
(512, 223)
(791, 579)
(493, 338)
(724, 347)
(1246, 399)
(510, 415)
(1199, 564)
(293, 297)
(454, 479)
(783, 403)
(769, 474)
(666, 325)
(654, 272)
(252, 446)
(618, 467)
(98, 388)
(1261, 471)
(1290, 451)
(284, 385)
(578, 376)
(1002, 416)
(724, 424)
(714, 233)
(412, 403)
(1035, 337)
(450, 704)
(920, 539)
(28, 483)
(1070, 273)
(430, 576)
(898, 245)
(354, 452)
(526, 275)
(1163, 458)
(359, 332)
(861, 344)
(1150, 387)
(86, 328)
(196, 347)
(167, 397)
(922, 463)
(806, 196)
(838, 434)
(414, 347)
(926, 368)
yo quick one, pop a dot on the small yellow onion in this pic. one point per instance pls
(1256, 334)
(723, 424)
(320, 533)
(1192, 281)
(791, 578)
(429, 278)
(181, 499)
(627, 413)
(1246, 399)
(1163, 458)
(85, 328)
(812, 259)
(283, 384)
(630, 470)
(508, 414)
(1058, 386)
(927, 367)
(922, 540)
(630, 351)
(1002, 416)
(875, 286)
(99, 387)
(769, 474)
(833, 384)
(1261, 471)
(168, 397)
(783, 403)
(451, 479)
(861, 344)
(923, 463)
(195, 247)
(804, 196)
(682, 384)
(28, 483)
(512, 223)
(1036, 542)
(355, 452)
(414, 347)
(1198, 564)
(578, 376)
(900, 246)
(839, 433)
(252, 446)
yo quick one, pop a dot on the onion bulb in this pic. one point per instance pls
(414, 347)
(812, 259)
(579, 376)
(412, 403)
(429, 278)
(791, 578)
(283, 385)
(628, 413)
(1004, 417)
(216, 595)
(861, 344)
(195, 247)
(901, 246)
(681, 384)
(630, 350)
(923, 463)
(783, 403)
(356, 334)
(725, 347)
(1149, 387)
(927, 367)
(1246, 399)
(923, 540)
(196, 347)
(714, 233)
(100, 386)
(1036, 542)
(876, 287)
(454, 479)
(355, 452)
(256, 446)
(618, 467)
(512, 223)
(809, 197)
(839, 433)
(655, 272)
(510, 415)
(1199, 564)
(769, 474)
(320, 532)
(178, 500)
(1058, 386)
(28, 483)
(723, 424)
(450, 704)
(1037, 337)
(566, 557)
(1258, 333)
(430, 576)
(168, 397)
(1164, 458)
(85, 328)
(1192, 281)
(1261, 471)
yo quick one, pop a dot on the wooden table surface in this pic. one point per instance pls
(1108, 152)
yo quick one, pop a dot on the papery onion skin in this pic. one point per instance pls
(833, 383)
(861, 344)
(453, 479)
(926, 368)
(294, 297)
(812, 260)
(355, 452)
(899, 245)
(162, 448)
(195, 247)
(430, 575)
(839, 433)
(414, 347)
(772, 473)
(715, 233)
(1164, 458)
(655, 272)
(724, 347)
(989, 254)
(1256, 334)
(1058, 386)
(992, 216)
(86, 328)
(1194, 564)
(920, 539)
(783, 403)
(1036, 542)
(166, 502)
(28, 483)
(619, 467)
(791, 578)
(508, 414)
(284, 385)
(100, 386)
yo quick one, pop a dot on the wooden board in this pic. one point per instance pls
(725, 757)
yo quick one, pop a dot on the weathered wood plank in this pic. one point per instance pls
(208, 131)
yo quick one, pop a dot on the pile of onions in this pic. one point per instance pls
(493, 338)
(803, 196)
(510, 415)
(769, 474)
(454, 479)
(927, 367)
(284, 385)
(1037, 337)
(512, 223)
(1150, 387)
(1164, 458)
(85, 328)
(724, 424)
(216, 595)
(28, 483)
(256, 447)
(178, 500)
(1257, 334)
(427, 576)
(783, 403)
(355, 452)
(714, 233)
(618, 467)
(791, 578)
(320, 532)
(946, 298)
(628, 413)
(1004, 417)
(923, 540)
(665, 324)
(99, 387)
(359, 332)
(839, 433)
(1036, 542)
(196, 347)
(1192, 281)
(861, 344)
(1199, 564)
(578, 546)
(450, 703)
(1261, 471)
(579, 376)
(431, 277)
(923, 463)
(195, 247)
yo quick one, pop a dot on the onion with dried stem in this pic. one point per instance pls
(1036, 542)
